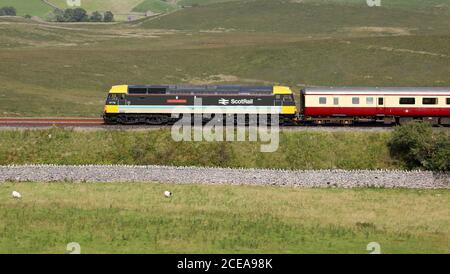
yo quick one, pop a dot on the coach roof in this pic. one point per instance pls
(376, 90)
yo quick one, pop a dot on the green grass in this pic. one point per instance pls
(297, 150)
(202, 2)
(31, 7)
(137, 218)
(155, 6)
(306, 18)
(391, 3)
(69, 75)
(121, 6)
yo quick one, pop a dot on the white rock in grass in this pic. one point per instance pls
(168, 194)
(16, 195)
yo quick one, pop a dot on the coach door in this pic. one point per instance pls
(381, 106)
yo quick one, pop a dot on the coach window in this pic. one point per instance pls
(355, 100)
(407, 101)
(380, 101)
(429, 101)
(336, 101)
(448, 101)
(369, 100)
(322, 100)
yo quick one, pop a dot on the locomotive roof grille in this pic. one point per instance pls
(205, 89)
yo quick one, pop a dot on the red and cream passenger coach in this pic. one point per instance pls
(388, 105)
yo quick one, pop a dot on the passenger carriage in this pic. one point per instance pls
(387, 105)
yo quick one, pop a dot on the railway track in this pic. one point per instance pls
(98, 123)
(49, 122)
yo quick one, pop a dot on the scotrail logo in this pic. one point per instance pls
(224, 101)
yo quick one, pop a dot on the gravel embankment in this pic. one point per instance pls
(320, 178)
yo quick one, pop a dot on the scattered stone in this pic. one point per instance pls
(186, 175)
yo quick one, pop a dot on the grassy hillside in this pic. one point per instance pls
(157, 6)
(65, 70)
(122, 6)
(136, 218)
(202, 2)
(292, 17)
(126, 6)
(439, 4)
(31, 7)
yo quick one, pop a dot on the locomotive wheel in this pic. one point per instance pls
(156, 120)
(127, 120)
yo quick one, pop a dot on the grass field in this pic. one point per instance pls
(69, 69)
(158, 6)
(304, 18)
(137, 218)
(31, 7)
(127, 6)
(297, 150)
(440, 4)
(121, 6)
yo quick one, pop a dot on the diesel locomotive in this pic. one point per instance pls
(156, 105)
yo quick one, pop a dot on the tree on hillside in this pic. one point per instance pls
(108, 17)
(81, 15)
(75, 15)
(8, 11)
(96, 17)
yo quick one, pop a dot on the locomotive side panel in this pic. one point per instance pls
(140, 104)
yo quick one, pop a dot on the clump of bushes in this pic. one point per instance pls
(81, 15)
(8, 11)
(419, 146)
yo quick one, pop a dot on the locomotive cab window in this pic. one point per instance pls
(369, 100)
(288, 98)
(137, 91)
(407, 101)
(429, 101)
(355, 100)
(322, 100)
